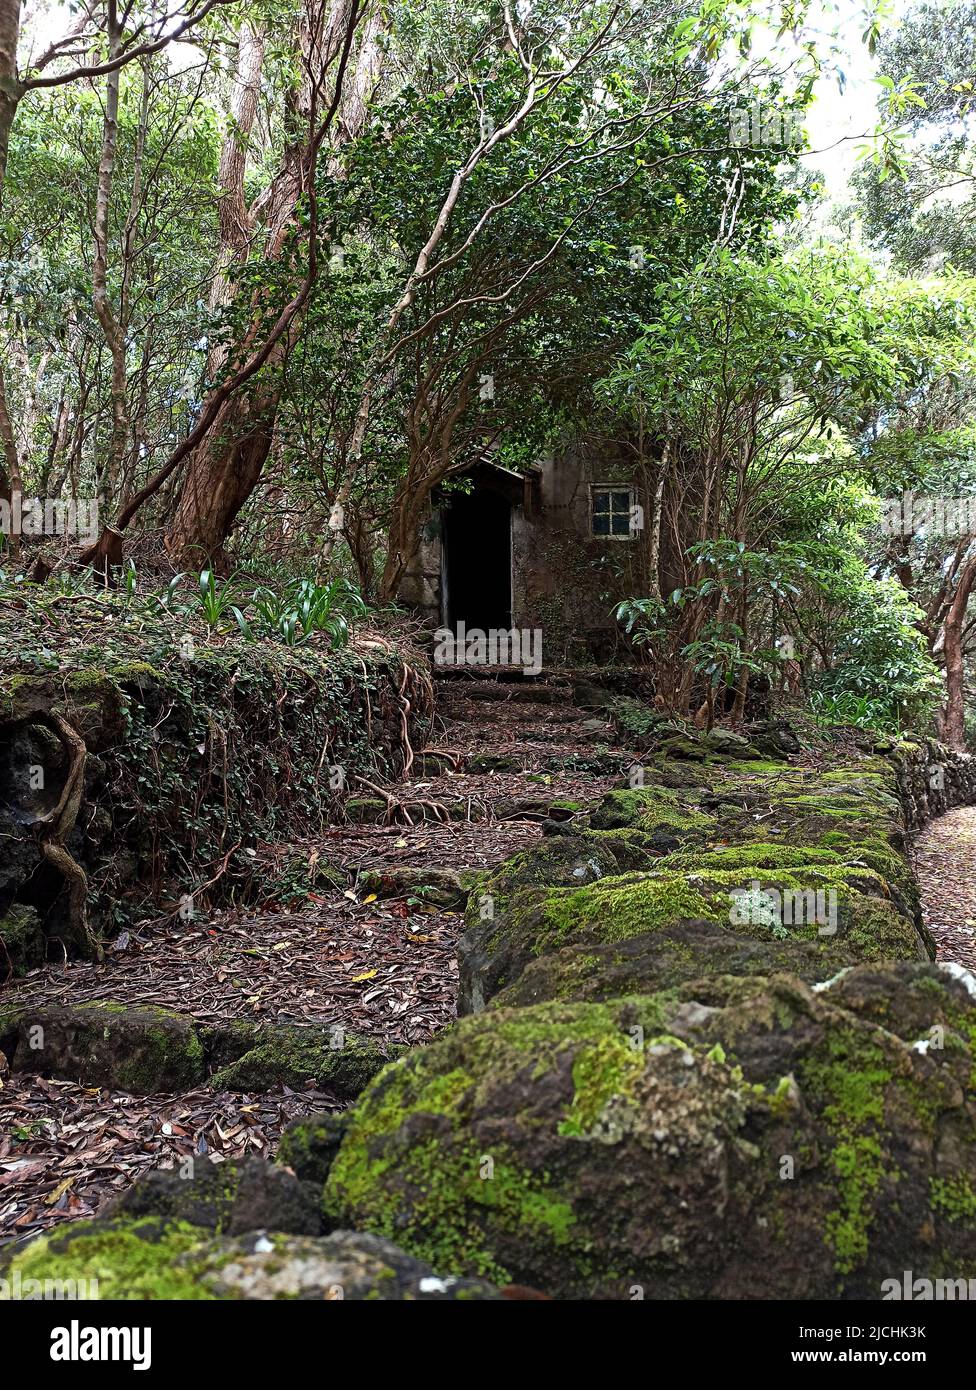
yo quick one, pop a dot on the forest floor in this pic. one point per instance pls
(507, 753)
(945, 862)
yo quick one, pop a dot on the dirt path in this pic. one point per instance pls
(507, 754)
(945, 861)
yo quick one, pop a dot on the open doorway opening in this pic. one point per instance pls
(477, 539)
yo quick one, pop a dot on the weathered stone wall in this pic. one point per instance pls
(659, 1094)
(132, 783)
(932, 778)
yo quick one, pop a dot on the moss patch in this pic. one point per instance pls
(130, 1260)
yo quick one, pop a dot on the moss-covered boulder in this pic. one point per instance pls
(139, 1048)
(295, 1055)
(666, 818)
(145, 1258)
(776, 1143)
(565, 860)
(626, 848)
(228, 1198)
(308, 1146)
(690, 954)
(844, 911)
(144, 1048)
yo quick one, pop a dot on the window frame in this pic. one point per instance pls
(611, 535)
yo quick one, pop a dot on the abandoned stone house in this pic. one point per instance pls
(554, 549)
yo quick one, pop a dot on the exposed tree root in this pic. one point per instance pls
(397, 808)
(57, 825)
(453, 756)
(390, 801)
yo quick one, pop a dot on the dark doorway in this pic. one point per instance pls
(478, 560)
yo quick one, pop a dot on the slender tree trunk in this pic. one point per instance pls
(11, 89)
(11, 486)
(105, 313)
(654, 547)
(954, 724)
(10, 94)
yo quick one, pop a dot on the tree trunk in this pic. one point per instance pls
(224, 469)
(954, 724)
(223, 473)
(10, 93)
(11, 89)
(108, 480)
(11, 487)
(236, 220)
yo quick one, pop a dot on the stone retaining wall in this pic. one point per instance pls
(135, 787)
(660, 1091)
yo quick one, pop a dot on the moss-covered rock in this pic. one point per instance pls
(142, 1048)
(843, 911)
(148, 1259)
(131, 1259)
(366, 810)
(293, 1056)
(565, 860)
(691, 955)
(777, 1143)
(228, 1198)
(627, 850)
(309, 1146)
(665, 819)
(138, 1048)
(342, 1266)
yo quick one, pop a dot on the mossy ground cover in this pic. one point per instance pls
(129, 1260)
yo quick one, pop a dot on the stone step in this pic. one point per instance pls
(479, 712)
(505, 674)
(528, 694)
(530, 735)
(373, 811)
(522, 760)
